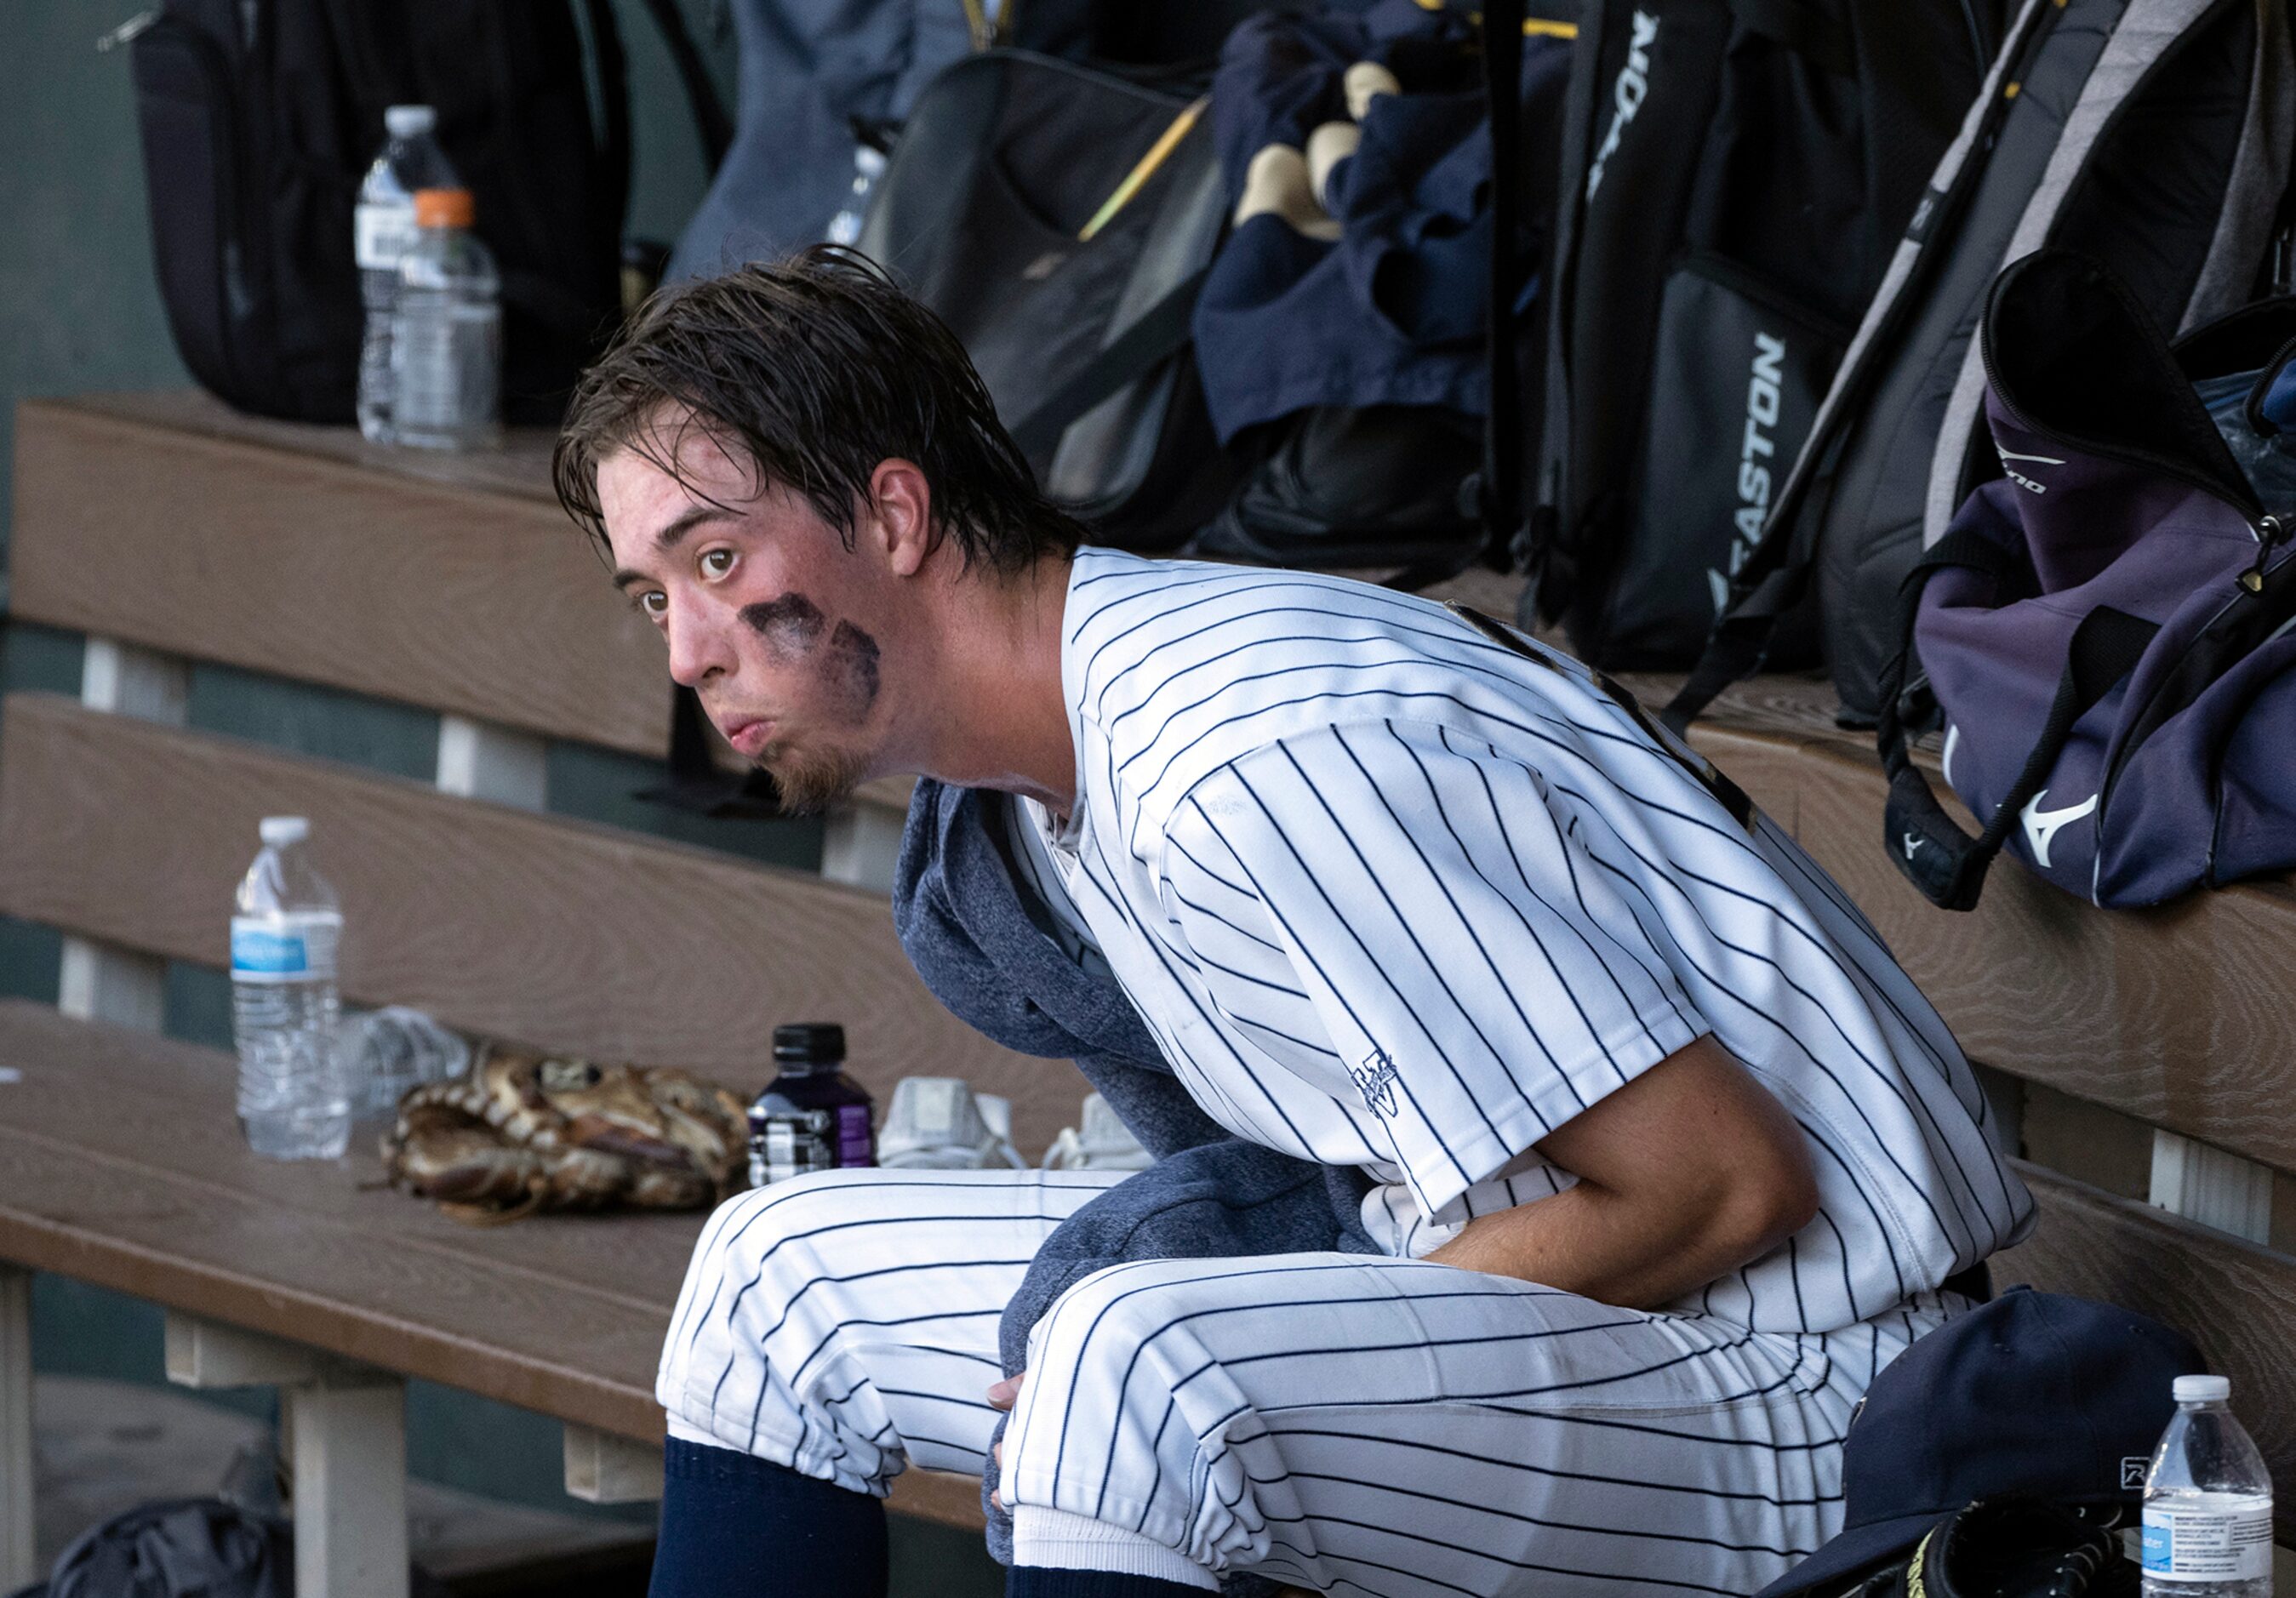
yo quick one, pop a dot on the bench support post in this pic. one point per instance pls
(99, 982)
(344, 1433)
(480, 760)
(601, 1468)
(2208, 1185)
(17, 1557)
(860, 845)
(349, 1489)
(129, 681)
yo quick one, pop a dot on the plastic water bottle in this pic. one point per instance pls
(446, 338)
(383, 227)
(386, 1052)
(868, 167)
(2207, 1503)
(294, 1103)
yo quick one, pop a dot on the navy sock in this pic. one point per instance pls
(1031, 1581)
(735, 1527)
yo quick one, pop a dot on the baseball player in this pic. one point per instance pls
(1666, 1156)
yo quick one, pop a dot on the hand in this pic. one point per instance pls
(1002, 1396)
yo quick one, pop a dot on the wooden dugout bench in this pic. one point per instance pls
(2138, 1057)
(170, 531)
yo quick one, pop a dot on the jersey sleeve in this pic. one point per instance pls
(1481, 969)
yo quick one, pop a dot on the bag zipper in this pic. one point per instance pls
(126, 32)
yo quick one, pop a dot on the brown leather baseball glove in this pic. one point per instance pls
(525, 1131)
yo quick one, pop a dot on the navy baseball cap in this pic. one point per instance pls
(2035, 1393)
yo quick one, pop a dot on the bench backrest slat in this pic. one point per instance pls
(2177, 1016)
(453, 595)
(498, 920)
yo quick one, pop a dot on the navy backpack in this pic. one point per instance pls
(2108, 629)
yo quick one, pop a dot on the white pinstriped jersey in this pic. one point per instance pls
(1392, 895)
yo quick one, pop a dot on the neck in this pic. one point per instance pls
(998, 713)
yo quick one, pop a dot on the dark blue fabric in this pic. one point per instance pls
(735, 1527)
(1393, 312)
(2279, 403)
(2033, 1393)
(978, 940)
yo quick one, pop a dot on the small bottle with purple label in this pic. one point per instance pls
(812, 1116)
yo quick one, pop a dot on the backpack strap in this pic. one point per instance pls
(1155, 336)
(614, 145)
(1502, 487)
(1505, 543)
(1770, 584)
(1929, 846)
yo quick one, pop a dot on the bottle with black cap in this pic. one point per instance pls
(812, 1116)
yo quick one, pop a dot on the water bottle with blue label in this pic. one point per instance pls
(294, 1100)
(2207, 1503)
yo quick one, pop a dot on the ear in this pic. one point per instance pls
(902, 503)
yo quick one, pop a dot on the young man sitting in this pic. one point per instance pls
(1657, 1157)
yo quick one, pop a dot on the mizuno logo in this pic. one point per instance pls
(1913, 842)
(2042, 825)
(1627, 95)
(1756, 446)
(2019, 478)
(1952, 742)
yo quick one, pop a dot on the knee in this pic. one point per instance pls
(1134, 1332)
(765, 1243)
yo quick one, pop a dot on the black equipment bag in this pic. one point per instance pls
(260, 117)
(2151, 136)
(1734, 176)
(177, 1548)
(819, 76)
(1007, 159)
(1414, 487)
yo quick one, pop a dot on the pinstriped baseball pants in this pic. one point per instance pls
(1350, 1424)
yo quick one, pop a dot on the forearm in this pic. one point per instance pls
(1588, 1241)
(1684, 1175)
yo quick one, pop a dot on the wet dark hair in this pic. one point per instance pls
(813, 370)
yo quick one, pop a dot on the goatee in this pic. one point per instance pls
(811, 781)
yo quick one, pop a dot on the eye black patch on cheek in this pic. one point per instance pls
(792, 623)
(853, 668)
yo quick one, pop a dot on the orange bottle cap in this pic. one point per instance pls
(443, 208)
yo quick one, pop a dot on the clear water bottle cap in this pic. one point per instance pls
(407, 121)
(2203, 1390)
(280, 831)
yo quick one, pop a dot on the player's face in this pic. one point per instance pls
(767, 616)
